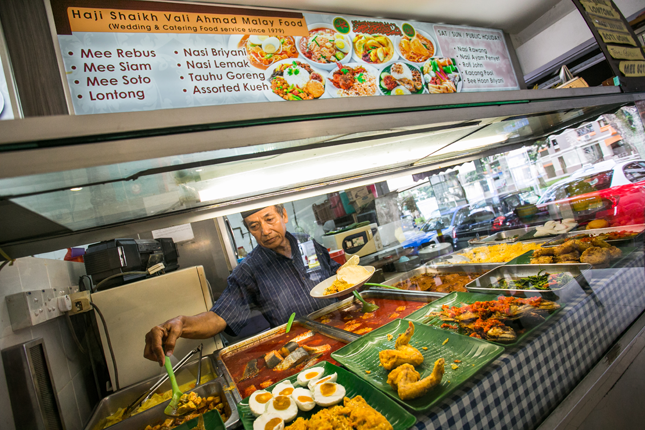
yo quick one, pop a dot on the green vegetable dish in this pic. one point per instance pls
(540, 281)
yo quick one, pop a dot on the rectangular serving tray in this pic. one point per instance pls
(362, 356)
(443, 260)
(638, 228)
(399, 418)
(441, 269)
(484, 284)
(458, 299)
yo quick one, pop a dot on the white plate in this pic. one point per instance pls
(460, 84)
(326, 66)
(332, 89)
(437, 53)
(273, 97)
(319, 289)
(358, 59)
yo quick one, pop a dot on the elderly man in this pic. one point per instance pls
(272, 277)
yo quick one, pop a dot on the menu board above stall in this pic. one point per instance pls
(125, 56)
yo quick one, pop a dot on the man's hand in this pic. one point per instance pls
(160, 341)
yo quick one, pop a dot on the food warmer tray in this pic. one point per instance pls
(506, 236)
(122, 399)
(412, 296)
(317, 327)
(441, 269)
(639, 228)
(443, 261)
(484, 283)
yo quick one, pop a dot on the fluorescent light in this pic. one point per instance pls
(76, 189)
(198, 170)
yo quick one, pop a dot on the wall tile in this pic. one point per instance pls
(10, 280)
(50, 332)
(58, 273)
(69, 408)
(76, 360)
(33, 273)
(83, 396)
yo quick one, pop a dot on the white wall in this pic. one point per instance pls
(557, 32)
(70, 368)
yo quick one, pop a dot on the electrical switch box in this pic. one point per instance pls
(29, 308)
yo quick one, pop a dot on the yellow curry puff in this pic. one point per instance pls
(403, 354)
(404, 378)
(355, 414)
(594, 251)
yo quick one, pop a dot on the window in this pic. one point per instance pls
(635, 172)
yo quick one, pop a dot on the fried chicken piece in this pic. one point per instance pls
(568, 258)
(406, 381)
(547, 259)
(596, 256)
(566, 248)
(614, 253)
(403, 354)
(581, 245)
(596, 241)
(543, 252)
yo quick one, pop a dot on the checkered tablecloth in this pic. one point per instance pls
(525, 384)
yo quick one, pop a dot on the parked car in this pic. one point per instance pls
(477, 223)
(609, 190)
(446, 221)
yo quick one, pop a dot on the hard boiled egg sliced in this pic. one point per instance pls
(272, 45)
(304, 399)
(328, 394)
(259, 401)
(284, 388)
(269, 421)
(328, 378)
(257, 40)
(284, 406)
(400, 91)
(312, 374)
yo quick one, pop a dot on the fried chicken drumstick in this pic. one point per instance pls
(403, 354)
(406, 381)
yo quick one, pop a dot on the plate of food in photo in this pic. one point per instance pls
(373, 49)
(325, 46)
(353, 80)
(417, 49)
(400, 79)
(264, 51)
(295, 80)
(441, 75)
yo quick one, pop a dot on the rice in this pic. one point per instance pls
(367, 88)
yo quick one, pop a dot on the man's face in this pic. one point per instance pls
(268, 227)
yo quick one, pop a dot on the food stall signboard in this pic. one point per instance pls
(127, 56)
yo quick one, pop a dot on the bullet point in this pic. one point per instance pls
(73, 67)
(178, 65)
(79, 96)
(176, 52)
(70, 53)
(181, 77)
(76, 82)
(184, 90)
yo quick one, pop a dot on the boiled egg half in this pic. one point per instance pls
(283, 406)
(312, 374)
(341, 43)
(328, 378)
(284, 388)
(304, 399)
(272, 45)
(257, 40)
(268, 421)
(400, 91)
(259, 401)
(328, 394)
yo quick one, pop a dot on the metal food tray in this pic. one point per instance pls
(332, 332)
(443, 260)
(505, 236)
(638, 228)
(452, 268)
(122, 399)
(484, 283)
(412, 296)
